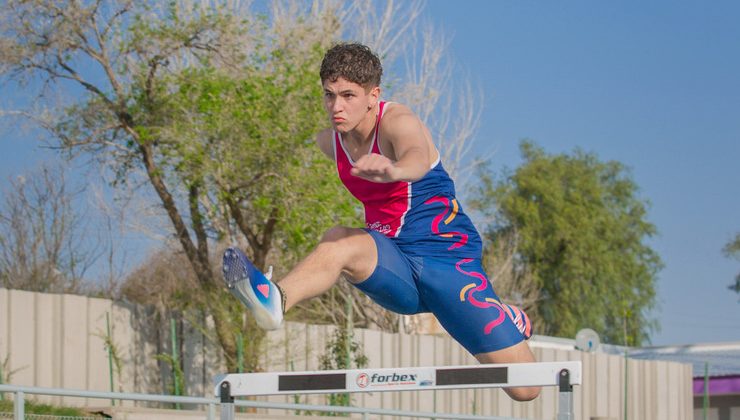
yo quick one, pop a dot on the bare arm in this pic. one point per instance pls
(325, 142)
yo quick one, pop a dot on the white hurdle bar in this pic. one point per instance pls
(561, 374)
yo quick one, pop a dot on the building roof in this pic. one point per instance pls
(721, 359)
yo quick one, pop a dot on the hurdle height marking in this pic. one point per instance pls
(562, 374)
(311, 382)
(474, 375)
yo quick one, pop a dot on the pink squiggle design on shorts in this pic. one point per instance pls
(435, 223)
(481, 304)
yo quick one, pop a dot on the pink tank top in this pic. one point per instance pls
(386, 204)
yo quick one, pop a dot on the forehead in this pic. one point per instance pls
(342, 85)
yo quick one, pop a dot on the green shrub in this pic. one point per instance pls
(36, 408)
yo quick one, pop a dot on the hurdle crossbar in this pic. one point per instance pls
(562, 374)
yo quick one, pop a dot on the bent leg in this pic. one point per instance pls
(518, 353)
(342, 250)
(392, 284)
(460, 295)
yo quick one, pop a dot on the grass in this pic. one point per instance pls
(36, 408)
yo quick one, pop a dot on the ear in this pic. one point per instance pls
(374, 95)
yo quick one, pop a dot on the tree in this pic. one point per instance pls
(210, 107)
(580, 231)
(732, 250)
(157, 77)
(512, 281)
(45, 242)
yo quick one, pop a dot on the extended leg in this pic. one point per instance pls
(369, 260)
(341, 250)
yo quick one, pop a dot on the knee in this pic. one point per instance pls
(336, 234)
(343, 241)
(524, 393)
(351, 249)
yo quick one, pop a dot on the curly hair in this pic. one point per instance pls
(354, 62)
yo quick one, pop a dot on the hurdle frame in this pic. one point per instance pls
(561, 374)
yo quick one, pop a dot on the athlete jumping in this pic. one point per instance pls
(419, 251)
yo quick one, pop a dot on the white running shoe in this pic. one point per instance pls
(253, 289)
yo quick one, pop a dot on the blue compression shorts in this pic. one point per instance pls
(455, 290)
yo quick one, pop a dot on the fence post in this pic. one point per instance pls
(110, 355)
(19, 406)
(211, 411)
(175, 359)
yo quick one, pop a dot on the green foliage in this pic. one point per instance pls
(580, 231)
(179, 376)
(6, 374)
(114, 353)
(732, 250)
(6, 406)
(249, 141)
(342, 352)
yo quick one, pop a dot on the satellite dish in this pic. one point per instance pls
(587, 340)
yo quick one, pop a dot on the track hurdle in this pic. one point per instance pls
(561, 374)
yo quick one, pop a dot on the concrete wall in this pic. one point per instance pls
(58, 341)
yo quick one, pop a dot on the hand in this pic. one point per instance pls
(376, 168)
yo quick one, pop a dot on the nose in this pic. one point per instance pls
(335, 106)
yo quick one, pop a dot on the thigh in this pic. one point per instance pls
(463, 300)
(392, 284)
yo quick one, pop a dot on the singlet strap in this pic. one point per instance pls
(376, 137)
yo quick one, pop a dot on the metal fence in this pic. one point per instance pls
(47, 417)
(20, 392)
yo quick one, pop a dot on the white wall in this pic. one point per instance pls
(57, 341)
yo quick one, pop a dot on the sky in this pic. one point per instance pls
(654, 85)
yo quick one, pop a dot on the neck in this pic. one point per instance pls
(365, 130)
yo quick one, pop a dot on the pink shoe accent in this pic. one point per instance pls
(264, 289)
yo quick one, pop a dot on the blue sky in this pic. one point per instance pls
(654, 85)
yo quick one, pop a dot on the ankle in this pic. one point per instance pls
(283, 297)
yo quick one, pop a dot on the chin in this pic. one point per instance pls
(341, 128)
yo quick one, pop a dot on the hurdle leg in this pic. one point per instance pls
(565, 396)
(227, 402)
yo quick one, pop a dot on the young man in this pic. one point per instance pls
(419, 251)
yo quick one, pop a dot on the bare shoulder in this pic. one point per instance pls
(402, 129)
(398, 113)
(400, 121)
(324, 139)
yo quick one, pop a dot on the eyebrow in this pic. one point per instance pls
(341, 92)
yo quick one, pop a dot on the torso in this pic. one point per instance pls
(423, 215)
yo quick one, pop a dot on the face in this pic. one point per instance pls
(348, 104)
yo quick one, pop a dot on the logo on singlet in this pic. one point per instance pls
(377, 226)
